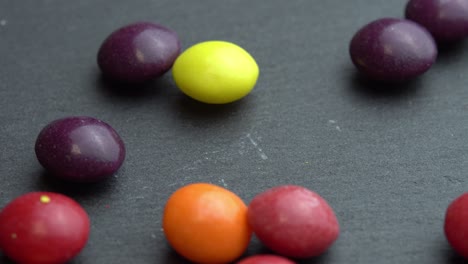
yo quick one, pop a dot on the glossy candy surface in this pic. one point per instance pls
(293, 221)
(82, 149)
(265, 259)
(391, 49)
(206, 223)
(456, 225)
(138, 52)
(215, 72)
(43, 228)
(447, 20)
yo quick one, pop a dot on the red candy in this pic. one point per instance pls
(456, 225)
(293, 221)
(43, 228)
(265, 259)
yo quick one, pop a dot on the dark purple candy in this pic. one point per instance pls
(80, 149)
(138, 52)
(391, 49)
(447, 20)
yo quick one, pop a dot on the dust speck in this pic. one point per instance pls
(224, 183)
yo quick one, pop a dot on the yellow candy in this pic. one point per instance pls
(215, 72)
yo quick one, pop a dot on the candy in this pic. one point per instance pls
(456, 225)
(138, 52)
(42, 227)
(265, 259)
(82, 149)
(206, 223)
(446, 20)
(392, 49)
(293, 221)
(215, 72)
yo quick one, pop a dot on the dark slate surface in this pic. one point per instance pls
(388, 162)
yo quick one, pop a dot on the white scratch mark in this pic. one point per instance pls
(255, 144)
(190, 166)
(224, 183)
(242, 147)
(251, 140)
(262, 155)
(3, 22)
(331, 121)
(213, 152)
(153, 236)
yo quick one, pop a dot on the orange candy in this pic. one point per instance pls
(206, 223)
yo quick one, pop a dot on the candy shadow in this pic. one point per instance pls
(256, 248)
(451, 52)
(371, 89)
(50, 183)
(316, 260)
(171, 257)
(452, 257)
(443, 253)
(5, 260)
(141, 91)
(188, 109)
(76, 260)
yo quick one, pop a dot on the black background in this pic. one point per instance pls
(388, 159)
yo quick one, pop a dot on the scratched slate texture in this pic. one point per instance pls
(387, 158)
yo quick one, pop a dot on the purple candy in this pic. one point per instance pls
(80, 149)
(391, 49)
(138, 52)
(447, 20)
